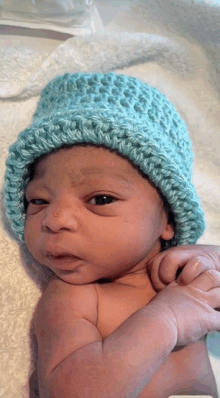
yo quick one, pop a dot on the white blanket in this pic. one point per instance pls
(172, 45)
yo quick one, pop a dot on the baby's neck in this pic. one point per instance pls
(138, 279)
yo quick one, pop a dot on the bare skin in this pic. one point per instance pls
(84, 242)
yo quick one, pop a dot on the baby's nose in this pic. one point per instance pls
(61, 215)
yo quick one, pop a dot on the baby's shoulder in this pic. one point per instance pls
(82, 299)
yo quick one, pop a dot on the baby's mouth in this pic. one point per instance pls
(62, 260)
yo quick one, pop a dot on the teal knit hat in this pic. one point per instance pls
(120, 113)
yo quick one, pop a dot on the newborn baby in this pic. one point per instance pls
(99, 188)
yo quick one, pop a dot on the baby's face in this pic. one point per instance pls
(91, 215)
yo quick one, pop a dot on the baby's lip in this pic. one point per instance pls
(57, 254)
(62, 260)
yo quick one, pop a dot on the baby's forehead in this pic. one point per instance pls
(88, 160)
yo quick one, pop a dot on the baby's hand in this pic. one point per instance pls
(190, 310)
(193, 259)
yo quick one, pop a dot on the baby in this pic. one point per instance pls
(99, 188)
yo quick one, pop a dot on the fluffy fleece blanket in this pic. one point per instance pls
(172, 45)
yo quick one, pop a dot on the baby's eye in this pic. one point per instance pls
(37, 202)
(102, 199)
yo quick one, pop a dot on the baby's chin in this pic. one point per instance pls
(73, 279)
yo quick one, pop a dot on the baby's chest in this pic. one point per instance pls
(116, 304)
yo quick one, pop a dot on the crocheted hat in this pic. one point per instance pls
(121, 113)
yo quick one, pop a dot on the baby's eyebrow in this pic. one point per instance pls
(30, 186)
(88, 171)
(103, 172)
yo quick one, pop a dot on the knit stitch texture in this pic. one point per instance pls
(121, 113)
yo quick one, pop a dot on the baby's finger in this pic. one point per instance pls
(166, 266)
(170, 268)
(207, 280)
(194, 267)
(213, 298)
(153, 272)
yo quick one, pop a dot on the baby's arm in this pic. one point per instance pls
(75, 362)
(196, 372)
(185, 371)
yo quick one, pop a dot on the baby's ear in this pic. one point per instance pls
(168, 231)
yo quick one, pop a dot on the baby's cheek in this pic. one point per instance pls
(30, 237)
